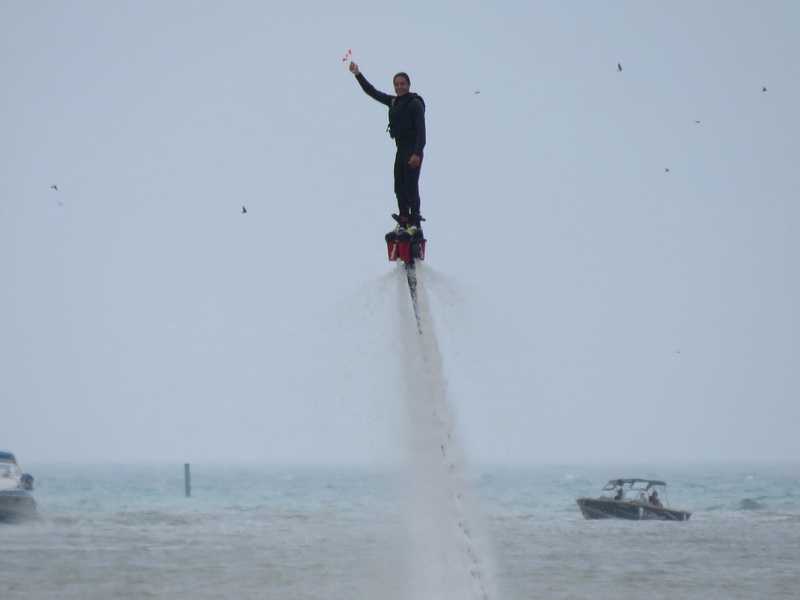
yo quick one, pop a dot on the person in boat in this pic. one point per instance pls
(26, 481)
(620, 495)
(654, 500)
(407, 128)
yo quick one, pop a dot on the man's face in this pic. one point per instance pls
(400, 86)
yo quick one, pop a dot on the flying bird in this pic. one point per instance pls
(54, 187)
(476, 92)
(619, 67)
(666, 169)
(244, 209)
(764, 88)
(697, 122)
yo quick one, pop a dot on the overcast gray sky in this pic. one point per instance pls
(590, 305)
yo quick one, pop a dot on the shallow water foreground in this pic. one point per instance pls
(257, 532)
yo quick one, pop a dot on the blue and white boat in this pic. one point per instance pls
(16, 490)
(634, 499)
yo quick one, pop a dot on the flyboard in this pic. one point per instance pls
(407, 245)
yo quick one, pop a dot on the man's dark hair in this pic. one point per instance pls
(404, 76)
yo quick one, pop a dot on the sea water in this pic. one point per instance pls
(431, 528)
(257, 531)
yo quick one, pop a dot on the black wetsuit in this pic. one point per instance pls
(407, 127)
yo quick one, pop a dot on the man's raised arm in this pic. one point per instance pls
(368, 88)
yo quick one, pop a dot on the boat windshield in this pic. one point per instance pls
(9, 470)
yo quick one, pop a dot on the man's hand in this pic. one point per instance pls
(414, 161)
(354, 68)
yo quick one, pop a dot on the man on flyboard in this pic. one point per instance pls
(407, 128)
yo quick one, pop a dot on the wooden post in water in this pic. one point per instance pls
(187, 479)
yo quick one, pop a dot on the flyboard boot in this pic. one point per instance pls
(406, 241)
(418, 240)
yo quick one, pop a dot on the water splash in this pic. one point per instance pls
(450, 550)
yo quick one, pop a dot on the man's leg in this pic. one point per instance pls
(411, 181)
(400, 176)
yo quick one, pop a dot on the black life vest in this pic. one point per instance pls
(401, 123)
